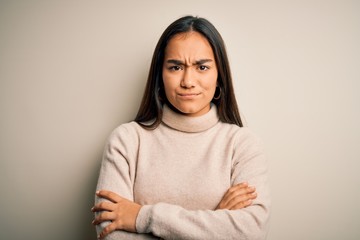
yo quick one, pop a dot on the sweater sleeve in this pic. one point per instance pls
(117, 174)
(174, 222)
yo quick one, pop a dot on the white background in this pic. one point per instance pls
(71, 71)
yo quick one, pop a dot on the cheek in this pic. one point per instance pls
(211, 82)
(212, 91)
(169, 85)
(167, 90)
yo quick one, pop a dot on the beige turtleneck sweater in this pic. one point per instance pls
(180, 171)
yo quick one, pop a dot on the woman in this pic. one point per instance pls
(186, 168)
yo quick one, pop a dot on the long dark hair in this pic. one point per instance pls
(150, 111)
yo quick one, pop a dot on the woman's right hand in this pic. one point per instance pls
(121, 212)
(237, 197)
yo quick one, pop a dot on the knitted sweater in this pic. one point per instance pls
(180, 171)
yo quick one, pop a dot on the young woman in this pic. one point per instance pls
(186, 168)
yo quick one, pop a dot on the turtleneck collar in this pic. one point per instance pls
(190, 124)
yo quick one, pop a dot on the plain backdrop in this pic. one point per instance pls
(71, 71)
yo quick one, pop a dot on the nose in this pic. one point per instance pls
(188, 78)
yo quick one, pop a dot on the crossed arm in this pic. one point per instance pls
(242, 213)
(123, 213)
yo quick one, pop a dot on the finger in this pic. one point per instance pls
(239, 196)
(103, 206)
(109, 195)
(239, 185)
(104, 216)
(232, 190)
(236, 188)
(242, 205)
(228, 195)
(242, 199)
(107, 230)
(237, 191)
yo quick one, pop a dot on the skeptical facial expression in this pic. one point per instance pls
(189, 73)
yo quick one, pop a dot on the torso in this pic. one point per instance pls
(192, 170)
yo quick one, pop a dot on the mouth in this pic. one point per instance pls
(188, 95)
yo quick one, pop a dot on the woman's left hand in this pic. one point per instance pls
(121, 212)
(237, 197)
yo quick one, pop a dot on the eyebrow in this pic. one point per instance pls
(179, 62)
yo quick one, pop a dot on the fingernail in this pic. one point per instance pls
(92, 209)
(97, 192)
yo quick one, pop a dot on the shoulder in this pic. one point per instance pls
(237, 132)
(126, 133)
(246, 146)
(127, 128)
(246, 138)
(241, 136)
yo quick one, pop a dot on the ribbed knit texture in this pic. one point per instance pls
(180, 171)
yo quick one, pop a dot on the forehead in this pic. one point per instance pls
(189, 44)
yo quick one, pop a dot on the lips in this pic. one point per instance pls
(188, 96)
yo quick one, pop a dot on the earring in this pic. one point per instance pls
(218, 97)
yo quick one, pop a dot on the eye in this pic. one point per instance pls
(175, 68)
(203, 68)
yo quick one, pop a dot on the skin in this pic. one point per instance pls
(238, 196)
(190, 79)
(189, 73)
(120, 211)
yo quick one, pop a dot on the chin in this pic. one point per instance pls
(192, 111)
(186, 110)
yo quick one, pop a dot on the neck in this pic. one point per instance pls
(181, 122)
